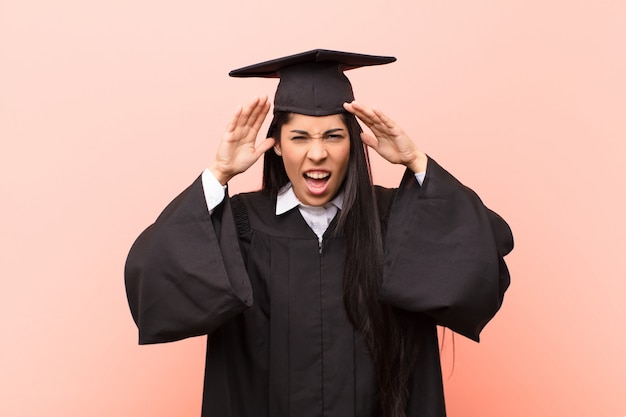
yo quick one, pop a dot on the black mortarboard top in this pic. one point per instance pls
(313, 82)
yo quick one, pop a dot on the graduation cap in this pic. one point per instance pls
(313, 82)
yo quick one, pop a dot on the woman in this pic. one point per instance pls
(308, 312)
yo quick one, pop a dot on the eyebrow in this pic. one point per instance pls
(328, 132)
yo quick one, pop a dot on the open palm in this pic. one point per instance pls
(389, 140)
(238, 149)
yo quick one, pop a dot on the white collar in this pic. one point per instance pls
(287, 200)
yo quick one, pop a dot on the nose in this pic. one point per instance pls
(317, 150)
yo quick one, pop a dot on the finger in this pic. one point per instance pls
(247, 112)
(365, 114)
(257, 116)
(370, 140)
(379, 122)
(349, 107)
(356, 108)
(384, 119)
(361, 108)
(230, 127)
(264, 146)
(255, 106)
(260, 114)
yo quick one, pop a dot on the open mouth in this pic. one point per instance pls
(316, 181)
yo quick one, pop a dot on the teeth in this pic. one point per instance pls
(317, 175)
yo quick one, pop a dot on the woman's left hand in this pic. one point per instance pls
(389, 139)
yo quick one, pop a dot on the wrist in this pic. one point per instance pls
(419, 163)
(220, 175)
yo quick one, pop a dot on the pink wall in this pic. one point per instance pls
(108, 109)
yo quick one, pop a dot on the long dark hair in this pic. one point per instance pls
(382, 328)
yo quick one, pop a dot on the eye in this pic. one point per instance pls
(299, 138)
(334, 137)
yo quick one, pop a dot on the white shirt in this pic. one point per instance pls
(317, 217)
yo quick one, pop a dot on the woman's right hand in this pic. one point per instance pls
(238, 149)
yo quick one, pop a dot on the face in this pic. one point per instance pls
(315, 151)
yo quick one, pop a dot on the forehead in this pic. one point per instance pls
(314, 124)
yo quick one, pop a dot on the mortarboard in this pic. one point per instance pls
(313, 82)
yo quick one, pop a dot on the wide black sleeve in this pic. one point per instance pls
(444, 253)
(185, 275)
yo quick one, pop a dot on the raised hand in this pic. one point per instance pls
(238, 149)
(389, 139)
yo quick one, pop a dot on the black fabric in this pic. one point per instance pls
(457, 243)
(312, 82)
(293, 352)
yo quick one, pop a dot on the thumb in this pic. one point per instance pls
(264, 146)
(369, 140)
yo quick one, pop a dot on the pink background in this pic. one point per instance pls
(109, 108)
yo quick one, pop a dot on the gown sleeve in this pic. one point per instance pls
(444, 253)
(185, 275)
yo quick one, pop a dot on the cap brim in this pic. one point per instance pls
(346, 61)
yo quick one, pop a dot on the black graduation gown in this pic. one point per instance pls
(270, 300)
